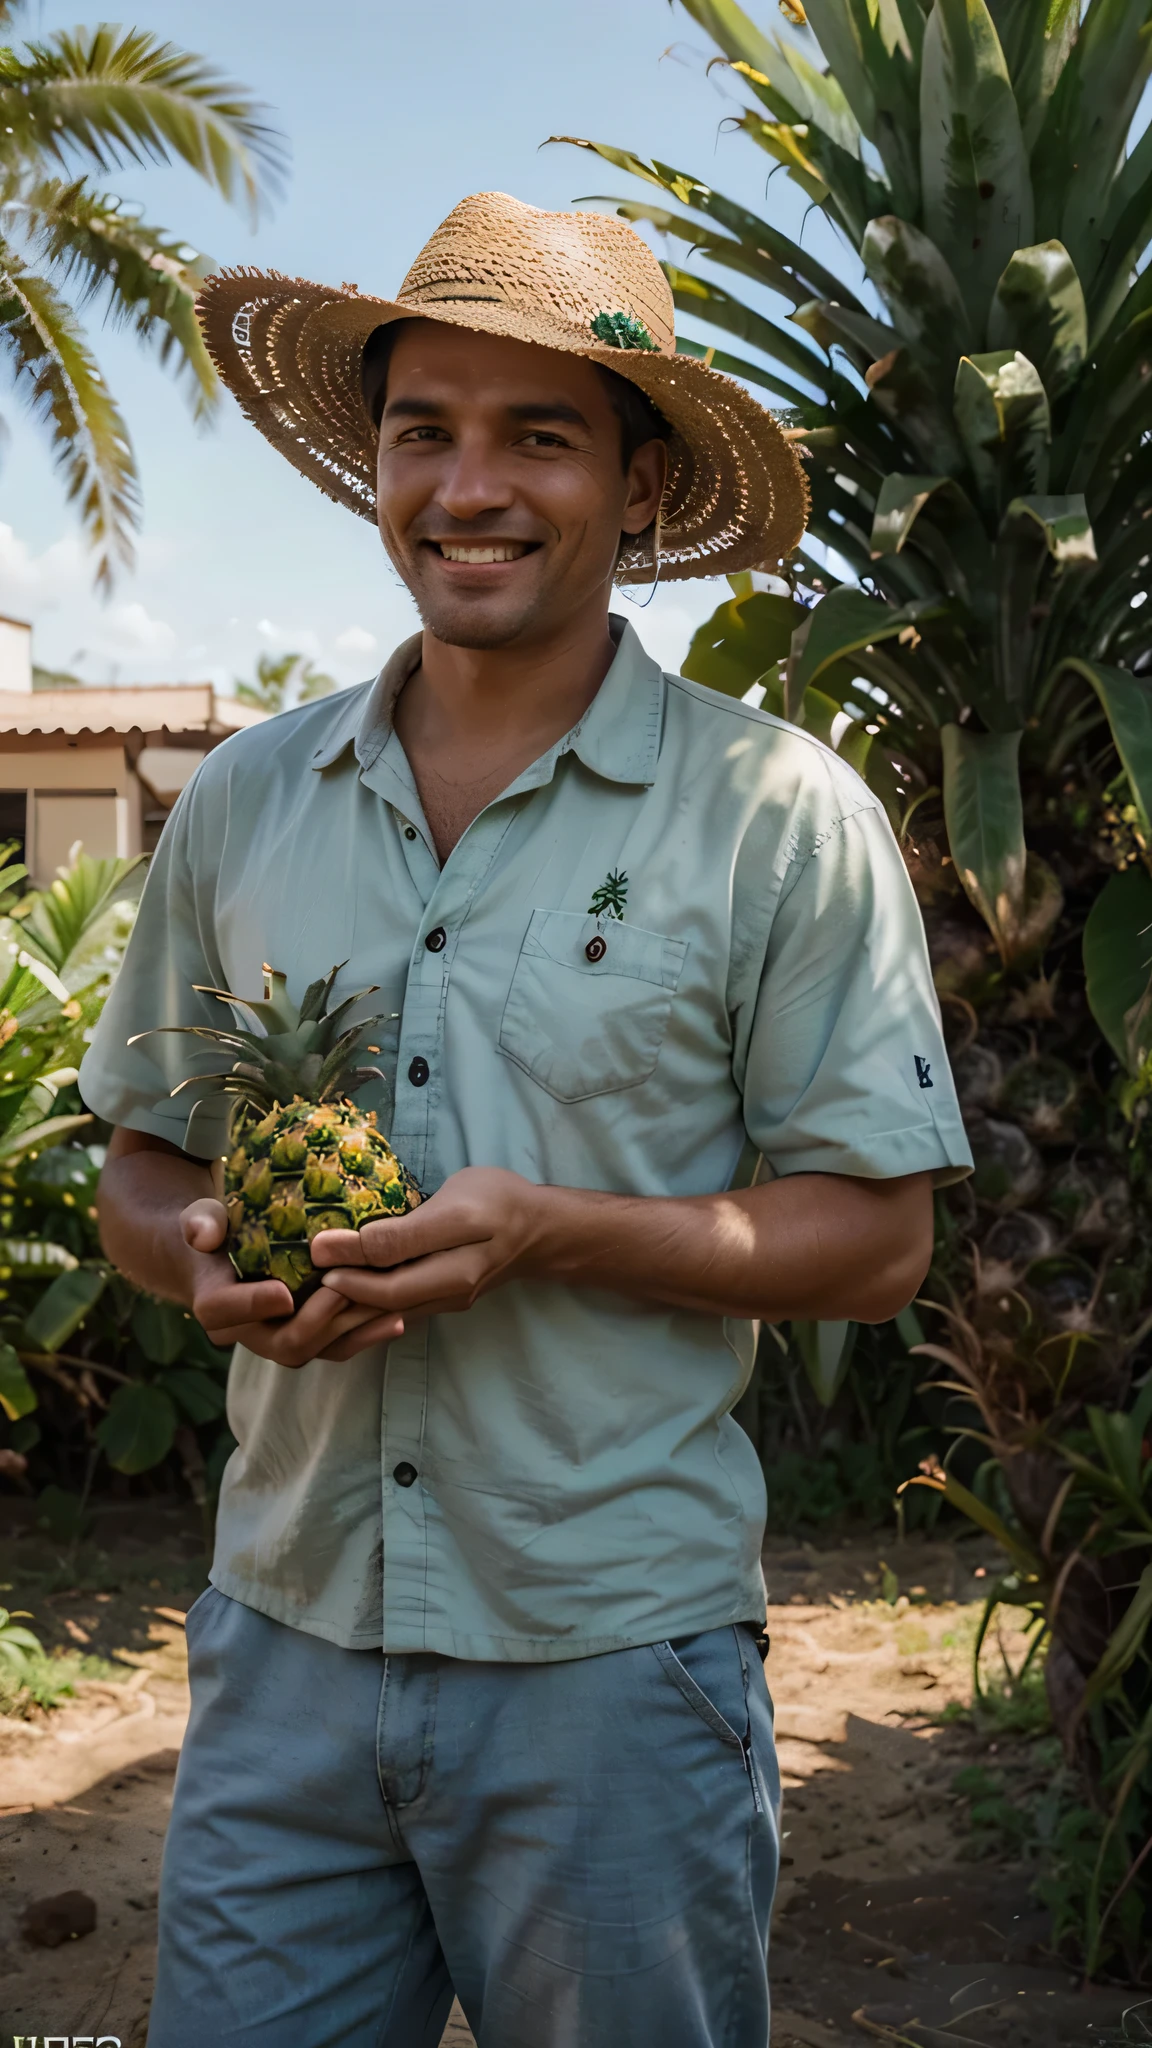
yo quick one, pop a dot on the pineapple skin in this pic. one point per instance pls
(301, 1169)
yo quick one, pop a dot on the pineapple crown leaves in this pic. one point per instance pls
(293, 1052)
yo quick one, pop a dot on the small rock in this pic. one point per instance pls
(64, 1917)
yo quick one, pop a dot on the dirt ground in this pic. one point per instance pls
(885, 1927)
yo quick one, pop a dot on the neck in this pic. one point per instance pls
(472, 719)
(542, 687)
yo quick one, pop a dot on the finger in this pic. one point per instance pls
(243, 1304)
(225, 1303)
(439, 1224)
(377, 1330)
(296, 1342)
(337, 1248)
(204, 1224)
(453, 1275)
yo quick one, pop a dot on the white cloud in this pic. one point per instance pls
(31, 583)
(127, 629)
(667, 623)
(289, 639)
(355, 640)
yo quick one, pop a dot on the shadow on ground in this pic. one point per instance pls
(884, 1930)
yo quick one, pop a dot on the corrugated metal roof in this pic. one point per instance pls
(136, 707)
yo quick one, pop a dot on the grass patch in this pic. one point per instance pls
(45, 1681)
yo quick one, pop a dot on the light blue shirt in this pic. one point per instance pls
(764, 1004)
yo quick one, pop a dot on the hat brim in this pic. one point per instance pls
(290, 352)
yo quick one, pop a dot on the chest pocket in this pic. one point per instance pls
(589, 1003)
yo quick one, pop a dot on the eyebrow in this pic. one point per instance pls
(555, 409)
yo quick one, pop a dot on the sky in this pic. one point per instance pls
(393, 110)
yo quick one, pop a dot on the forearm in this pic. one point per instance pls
(816, 1246)
(145, 1186)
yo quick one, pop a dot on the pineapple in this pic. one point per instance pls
(301, 1157)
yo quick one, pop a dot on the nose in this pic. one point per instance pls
(474, 480)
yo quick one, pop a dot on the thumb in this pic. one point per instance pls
(204, 1225)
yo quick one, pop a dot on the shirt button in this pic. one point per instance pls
(405, 1474)
(437, 940)
(409, 831)
(418, 1072)
(596, 949)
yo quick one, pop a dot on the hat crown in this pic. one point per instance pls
(558, 273)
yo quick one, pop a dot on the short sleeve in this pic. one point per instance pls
(171, 953)
(844, 1068)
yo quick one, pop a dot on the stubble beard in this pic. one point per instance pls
(456, 623)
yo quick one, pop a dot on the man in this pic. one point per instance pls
(477, 1695)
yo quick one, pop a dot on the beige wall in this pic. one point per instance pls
(86, 793)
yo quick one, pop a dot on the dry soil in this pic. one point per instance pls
(886, 1927)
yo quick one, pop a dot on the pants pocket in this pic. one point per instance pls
(716, 1659)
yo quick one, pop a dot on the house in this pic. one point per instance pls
(102, 765)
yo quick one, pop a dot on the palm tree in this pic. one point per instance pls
(284, 680)
(970, 383)
(76, 106)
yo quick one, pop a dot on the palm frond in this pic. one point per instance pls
(143, 276)
(64, 389)
(114, 96)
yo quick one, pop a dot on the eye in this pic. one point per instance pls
(539, 438)
(422, 433)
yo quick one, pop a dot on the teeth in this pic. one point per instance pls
(496, 551)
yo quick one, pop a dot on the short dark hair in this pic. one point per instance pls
(640, 420)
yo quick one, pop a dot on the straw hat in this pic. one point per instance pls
(736, 496)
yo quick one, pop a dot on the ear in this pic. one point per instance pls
(647, 475)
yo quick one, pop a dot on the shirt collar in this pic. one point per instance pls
(617, 738)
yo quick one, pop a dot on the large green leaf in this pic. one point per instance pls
(1127, 699)
(1128, 1638)
(1038, 308)
(743, 638)
(959, 1496)
(918, 288)
(62, 1308)
(1035, 534)
(952, 536)
(732, 31)
(826, 1349)
(1015, 892)
(1118, 959)
(707, 301)
(1082, 141)
(37, 1256)
(199, 1395)
(17, 1394)
(161, 1329)
(902, 391)
(843, 622)
(69, 916)
(871, 52)
(139, 1428)
(1123, 232)
(984, 813)
(973, 163)
(1035, 45)
(1002, 413)
(864, 339)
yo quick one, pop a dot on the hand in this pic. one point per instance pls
(259, 1313)
(484, 1226)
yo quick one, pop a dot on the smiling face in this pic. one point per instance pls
(501, 489)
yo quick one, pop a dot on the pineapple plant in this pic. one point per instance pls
(966, 357)
(301, 1156)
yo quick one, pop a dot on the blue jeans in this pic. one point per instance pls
(586, 1852)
